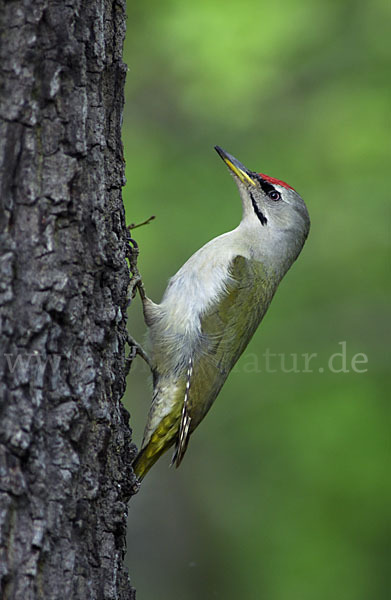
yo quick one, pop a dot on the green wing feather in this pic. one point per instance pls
(227, 327)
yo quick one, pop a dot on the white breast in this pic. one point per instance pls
(175, 331)
(198, 284)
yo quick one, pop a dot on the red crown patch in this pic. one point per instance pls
(276, 181)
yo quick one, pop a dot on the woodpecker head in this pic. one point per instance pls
(269, 203)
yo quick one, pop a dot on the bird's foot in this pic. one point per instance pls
(136, 348)
(136, 282)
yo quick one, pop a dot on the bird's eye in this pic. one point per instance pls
(274, 195)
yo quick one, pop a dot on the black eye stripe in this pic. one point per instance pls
(257, 211)
(265, 185)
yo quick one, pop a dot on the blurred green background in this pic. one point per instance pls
(283, 493)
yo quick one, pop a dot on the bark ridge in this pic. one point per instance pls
(65, 444)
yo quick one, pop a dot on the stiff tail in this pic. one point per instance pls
(161, 440)
(145, 460)
(173, 428)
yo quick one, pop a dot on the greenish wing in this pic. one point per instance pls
(227, 328)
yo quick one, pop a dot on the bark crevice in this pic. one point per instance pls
(65, 444)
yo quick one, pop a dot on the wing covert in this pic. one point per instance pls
(227, 327)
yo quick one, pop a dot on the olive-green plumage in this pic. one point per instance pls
(226, 327)
(211, 309)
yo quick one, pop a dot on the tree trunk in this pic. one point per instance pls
(65, 445)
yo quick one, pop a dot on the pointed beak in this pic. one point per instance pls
(236, 167)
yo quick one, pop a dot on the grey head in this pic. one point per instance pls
(271, 208)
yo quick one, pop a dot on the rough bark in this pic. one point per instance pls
(65, 445)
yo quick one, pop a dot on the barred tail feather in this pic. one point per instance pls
(184, 428)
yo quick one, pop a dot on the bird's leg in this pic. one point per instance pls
(135, 281)
(135, 284)
(132, 255)
(135, 348)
